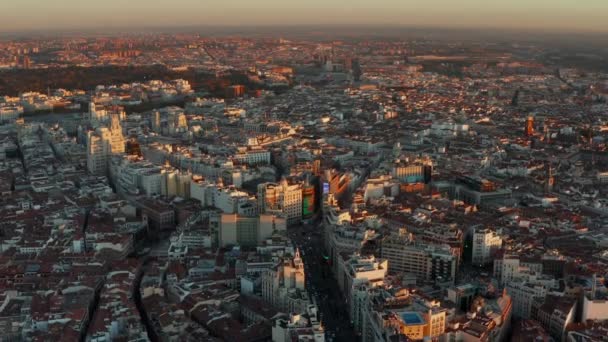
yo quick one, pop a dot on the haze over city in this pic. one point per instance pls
(545, 15)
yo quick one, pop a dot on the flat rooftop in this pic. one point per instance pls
(412, 318)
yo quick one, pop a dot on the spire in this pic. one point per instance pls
(297, 255)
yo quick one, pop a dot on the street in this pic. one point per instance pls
(321, 284)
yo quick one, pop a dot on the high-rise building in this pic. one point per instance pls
(279, 280)
(117, 143)
(98, 150)
(485, 243)
(97, 115)
(530, 126)
(102, 143)
(156, 122)
(282, 198)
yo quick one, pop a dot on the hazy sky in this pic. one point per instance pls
(563, 15)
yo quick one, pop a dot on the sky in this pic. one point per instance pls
(545, 15)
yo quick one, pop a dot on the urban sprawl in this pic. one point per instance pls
(302, 190)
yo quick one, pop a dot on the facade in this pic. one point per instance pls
(523, 295)
(357, 270)
(117, 140)
(595, 307)
(247, 231)
(418, 171)
(253, 157)
(159, 215)
(282, 198)
(425, 262)
(101, 144)
(554, 313)
(402, 317)
(285, 278)
(484, 244)
(345, 239)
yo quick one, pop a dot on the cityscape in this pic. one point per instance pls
(303, 183)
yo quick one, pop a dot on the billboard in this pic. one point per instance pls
(325, 188)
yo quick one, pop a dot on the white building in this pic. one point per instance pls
(98, 151)
(101, 144)
(485, 243)
(357, 270)
(522, 294)
(304, 326)
(509, 267)
(253, 157)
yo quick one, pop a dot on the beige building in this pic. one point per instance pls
(282, 198)
(281, 282)
(247, 231)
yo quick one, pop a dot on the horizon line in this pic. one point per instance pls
(158, 29)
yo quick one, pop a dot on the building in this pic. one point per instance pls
(602, 177)
(356, 270)
(554, 313)
(462, 296)
(156, 122)
(282, 199)
(523, 294)
(248, 231)
(285, 277)
(160, 216)
(101, 144)
(485, 243)
(253, 157)
(400, 317)
(529, 126)
(345, 240)
(418, 171)
(117, 139)
(509, 266)
(425, 262)
(304, 326)
(595, 303)
(477, 191)
(235, 91)
(98, 151)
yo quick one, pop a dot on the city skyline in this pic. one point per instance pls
(538, 15)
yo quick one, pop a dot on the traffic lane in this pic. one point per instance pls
(328, 297)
